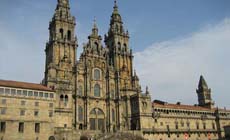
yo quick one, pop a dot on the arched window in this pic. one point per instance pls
(51, 138)
(119, 46)
(100, 112)
(125, 47)
(80, 90)
(62, 98)
(96, 47)
(80, 113)
(113, 115)
(97, 119)
(80, 126)
(69, 35)
(61, 33)
(93, 112)
(112, 94)
(66, 98)
(97, 74)
(97, 90)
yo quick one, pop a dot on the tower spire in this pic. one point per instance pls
(204, 94)
(95, 23)
(95, 28)
(116, 24)
(115, 8)
(202, 83)
(64, 3)
(63, 11)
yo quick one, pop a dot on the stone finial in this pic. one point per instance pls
(147, 90)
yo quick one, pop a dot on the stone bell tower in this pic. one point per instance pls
(60, 62)
(117, 42)
(204, 94)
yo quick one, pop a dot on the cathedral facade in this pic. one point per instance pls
(99, 88)
(100, 93)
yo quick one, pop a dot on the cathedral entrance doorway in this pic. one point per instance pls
(51, 138)
(97, 119)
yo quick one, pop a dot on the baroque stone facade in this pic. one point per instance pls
(100, 92)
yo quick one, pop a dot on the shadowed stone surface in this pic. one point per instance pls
(121, 136)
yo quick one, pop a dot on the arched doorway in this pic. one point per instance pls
(97, 119)
(51, 138)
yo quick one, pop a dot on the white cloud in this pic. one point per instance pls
(172, 68)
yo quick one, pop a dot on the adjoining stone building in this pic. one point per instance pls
(99, 93)
(26, 111)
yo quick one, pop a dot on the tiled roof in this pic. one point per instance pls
(179, 106)
(23, 85)
(161, 104)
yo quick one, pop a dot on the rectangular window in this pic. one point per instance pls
(46, 95)
(101, 125)
(51, 114)
(204, 126)
(176, 126)
(36, 113)
(168, 127)
(213, 126)
(36, 94)
(30, 93)
(92, 124)
(23, 103)
(197, 126)
(36, 103)
(1, 90)
(37, 127)
(13, 91)
(3, 111)
(7, 91)
(3, 101)
(182, 124)
(21, 127)
(24, 92)
(51, 95)
(161, 123)
(41, 94)
(19, 92)
(2, 126)
(51, 105)
(188, 124)
(22, 113)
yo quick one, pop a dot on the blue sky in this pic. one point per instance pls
(173, 33)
